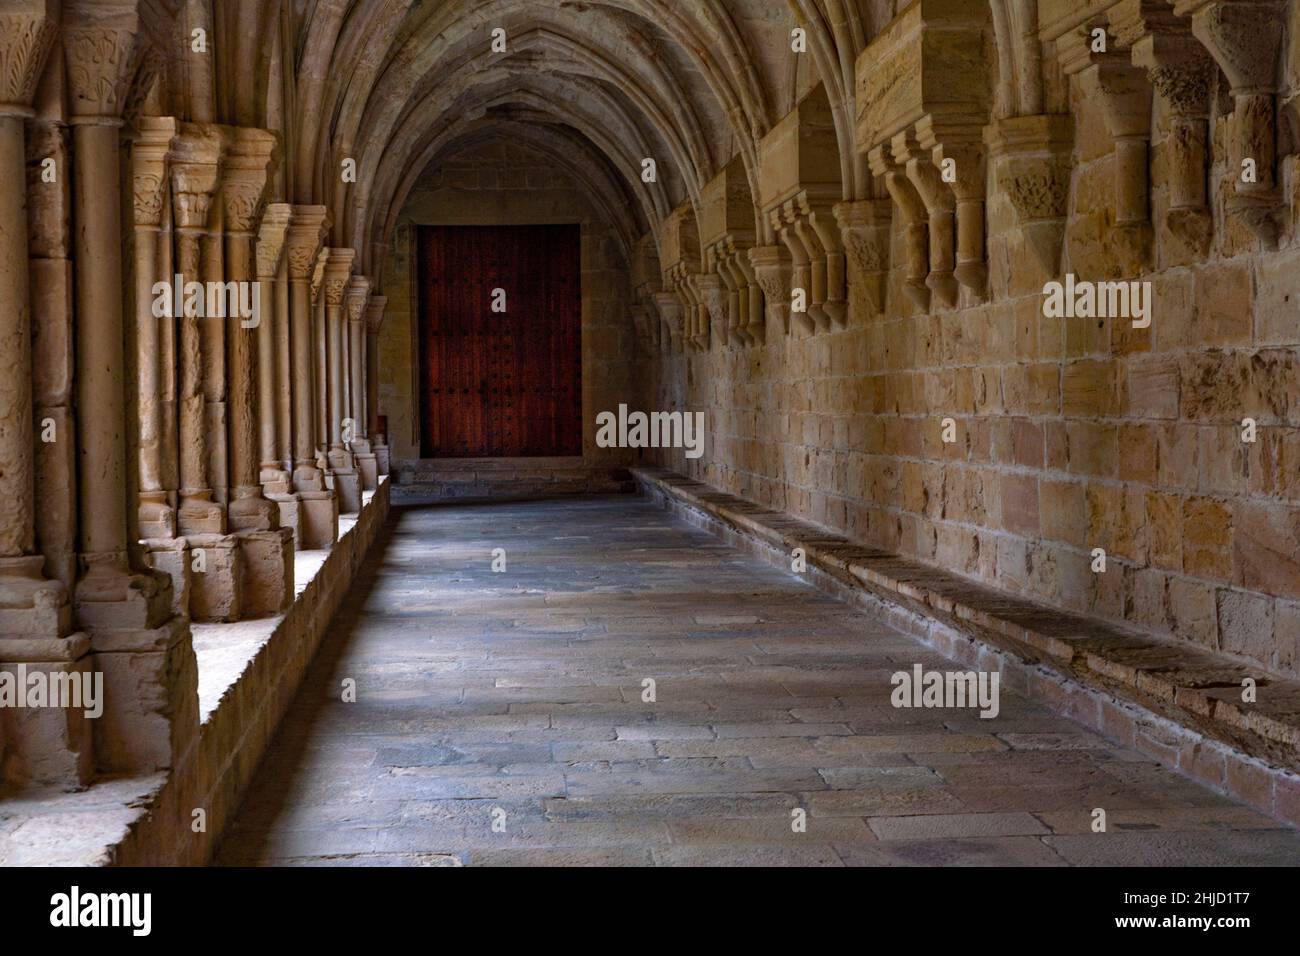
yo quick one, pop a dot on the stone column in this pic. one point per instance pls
(318, 515)
(320, 363)
(342, 466)
(247, 163)
(157, 519)
(270, 246)
(367, 469)
(144, 651)
(194, 180)
(43, 746)
(283, 369)
(374, 322)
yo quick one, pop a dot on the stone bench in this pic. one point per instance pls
(1179, 704)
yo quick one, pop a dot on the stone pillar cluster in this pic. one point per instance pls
(161, 433)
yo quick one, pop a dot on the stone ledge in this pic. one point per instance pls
(249, 673)
(1179, 704)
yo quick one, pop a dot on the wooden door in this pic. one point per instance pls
(500, 384)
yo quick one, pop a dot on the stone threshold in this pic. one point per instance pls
(249, 672)
(463, 479)
(1178, 704)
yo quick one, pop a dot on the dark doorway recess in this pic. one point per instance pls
(500, 384)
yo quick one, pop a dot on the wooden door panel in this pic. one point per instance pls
(500, 384)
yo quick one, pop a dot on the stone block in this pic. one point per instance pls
(266, 567)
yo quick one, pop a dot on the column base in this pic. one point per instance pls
(200, 515)
(151, 682)
(50, 744)
(110, 595)
(216, 581)
(382, 457)
(171, 556)
(368, 467)
(156, 516)
(308, 478)
(30, 603)
(288, 503)
(273, 478)
(249, 511)
(347, 486)
(266, 559)
(318, 520)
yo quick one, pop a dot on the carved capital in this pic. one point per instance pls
(772, 273)
(245, 172)
(270, 238)
(307, 227)
(358, 291)
(149, 168)
(338, 272)
(27, 32)
(670, 313)
(1032, 168)
(196, 163)
(864, 226)
(99, 57)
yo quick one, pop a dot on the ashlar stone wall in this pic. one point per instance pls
(1069, 435)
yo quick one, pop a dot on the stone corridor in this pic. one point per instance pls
(515, 697)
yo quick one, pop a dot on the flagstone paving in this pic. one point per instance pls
(504, 718)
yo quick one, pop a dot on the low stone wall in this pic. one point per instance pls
(235, 732)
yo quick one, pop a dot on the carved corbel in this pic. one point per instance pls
(772, 273)
(801, 269)
(941, 209)
(1126, 103)
(712, 297)
(1245, 38)
(1031, 162)
(746, 296)
(961, 168)
(669, 306)
(245, 174)
(1182, 75)
(915, 225)
(864, 226)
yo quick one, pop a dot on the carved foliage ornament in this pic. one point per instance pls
(99, 65)
(24, 42)
(1037, 191)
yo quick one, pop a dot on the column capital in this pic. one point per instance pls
(338, 270)
(27, 32)
(375, 312)
(149, 158)
(244, 175)
(307, 227)
(271, 238)
(195, 163)
(358, 291)
(1239, 37)
(99, 39)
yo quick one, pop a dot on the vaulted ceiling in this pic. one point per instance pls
(595, 85)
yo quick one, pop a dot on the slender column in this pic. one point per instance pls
(212, 334)
(304, 235)
(283, 368)
(270, 245)
(337, 273)
(194, 180)
(149, 160)
(320, 359)
(28, 601)
(358, 293)
(374, 321)
(246, 172)
(111, 590)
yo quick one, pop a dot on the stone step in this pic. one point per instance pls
(1158, 695)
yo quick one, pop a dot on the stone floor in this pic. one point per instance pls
(499, 719)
